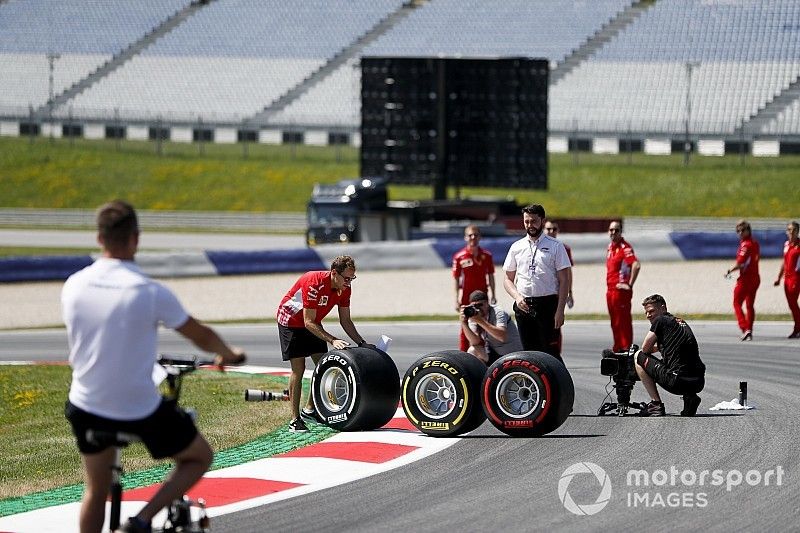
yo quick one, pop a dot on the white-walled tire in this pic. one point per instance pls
(355, 389)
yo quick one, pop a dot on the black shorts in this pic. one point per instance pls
(166, 432)
(299, 342)
(671, 381)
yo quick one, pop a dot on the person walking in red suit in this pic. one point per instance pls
(622, 269)
(790, 272)
(473, 270)
(744, 293)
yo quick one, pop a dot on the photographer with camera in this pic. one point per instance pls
(488, 328)
(680, 371)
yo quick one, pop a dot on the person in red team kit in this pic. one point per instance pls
(473, 270)
(744, 293)
(790, 272)
(300, 316)
(622, 269)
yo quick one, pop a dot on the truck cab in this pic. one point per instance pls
(334, 209)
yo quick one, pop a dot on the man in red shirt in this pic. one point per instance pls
(622, 269)
(300, 316)
(744, 293)
(790, 272)
(473, 270)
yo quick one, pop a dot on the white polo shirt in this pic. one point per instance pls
(536, 263)
(112, 312)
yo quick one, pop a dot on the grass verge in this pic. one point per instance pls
(39, 451)
(79, 173)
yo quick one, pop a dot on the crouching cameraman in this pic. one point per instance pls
(489, 329)
(680, 371)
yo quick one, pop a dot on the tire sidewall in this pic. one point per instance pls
(556, 392)
(341, 360)
(456, 368)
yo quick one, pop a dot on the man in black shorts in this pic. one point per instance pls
(680, 371)
(112, 312)
(300, 329)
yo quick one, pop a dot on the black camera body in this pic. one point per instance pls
(471, 310)
(621, 368)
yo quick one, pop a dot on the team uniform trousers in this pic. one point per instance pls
(619, 311)
(792, 291)
(744, 294)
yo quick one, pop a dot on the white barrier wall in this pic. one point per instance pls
(711, 147)
(181, 135)
(225, 136)
(766, 148)
(10, 129)
(270, 137)
(657, 146)
(605, 145)
(557, 144)
(138, 133)
(94, 131)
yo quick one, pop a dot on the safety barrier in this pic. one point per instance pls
(651, 246)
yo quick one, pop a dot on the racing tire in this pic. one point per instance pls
(527, 394)
(440, 393)
(355, 389)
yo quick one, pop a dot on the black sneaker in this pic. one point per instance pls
(134, 525)
(747, 335)
(298, 426)
(310, 415)
(690, 403)
(654, 408)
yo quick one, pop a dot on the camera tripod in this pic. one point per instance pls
(623, 404)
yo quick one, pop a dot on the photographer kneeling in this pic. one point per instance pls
(681, 371)
(489, 329)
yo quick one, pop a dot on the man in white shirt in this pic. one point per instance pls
(538, 278)
(112, 312)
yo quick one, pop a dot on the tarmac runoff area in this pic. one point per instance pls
(689, 287)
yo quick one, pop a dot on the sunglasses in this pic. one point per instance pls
(346, 278)
(613, 231)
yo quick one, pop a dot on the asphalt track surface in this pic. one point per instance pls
(489, 481)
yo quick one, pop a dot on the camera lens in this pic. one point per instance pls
(470, 311)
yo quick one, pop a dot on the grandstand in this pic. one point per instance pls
(716, 72)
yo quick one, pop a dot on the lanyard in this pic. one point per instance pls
(534, 250)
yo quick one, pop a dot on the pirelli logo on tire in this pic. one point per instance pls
(435, 426)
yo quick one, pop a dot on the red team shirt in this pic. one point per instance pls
(747, 256)
(791, 262)
(472, 270)
(312, 291)
(618, 263)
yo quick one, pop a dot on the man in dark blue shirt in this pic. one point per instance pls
(680, 371)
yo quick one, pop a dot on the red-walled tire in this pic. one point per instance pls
(527, 394)
(355, 389)
(440, 393)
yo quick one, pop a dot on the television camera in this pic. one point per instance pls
(621, 368)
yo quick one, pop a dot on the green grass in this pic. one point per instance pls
(84, 174)
(15, 251)
(39, 452)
